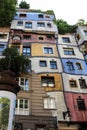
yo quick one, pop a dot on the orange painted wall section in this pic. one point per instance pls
(38, 50)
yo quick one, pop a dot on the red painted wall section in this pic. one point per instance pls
(71, 101)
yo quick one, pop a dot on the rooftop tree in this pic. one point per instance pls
(24, 5)
(14, 62)
(64, 27)
(7, 11)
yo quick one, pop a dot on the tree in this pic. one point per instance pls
(7, 11)
(81, 22)
(13, 61)
(24, 5)
(64, 27)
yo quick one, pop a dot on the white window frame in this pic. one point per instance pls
(19, 110)
(24, 87)
(49, 103)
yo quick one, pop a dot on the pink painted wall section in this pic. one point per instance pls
(71, 100)
(33, 37)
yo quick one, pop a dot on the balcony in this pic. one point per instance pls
(16, 39)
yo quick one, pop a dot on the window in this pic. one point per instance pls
(40, 16)
(49, 25)
(85, 32)
(43, 64)
(49, 103)
(3, 36)
(48, 50)
(82, 83)
(68, 51)
(41, 38)
(53, 65)
(40, 24)
(47, 16)
(81, 104)
(26, 51)
(22, 15)
(66, 39)
(20, 23)
(73, 83)
(2, 47)
(70, 66)
(47, 81)
(24, 83)
(27, 37)
(78, 65)
(22, 107)
(28, 24)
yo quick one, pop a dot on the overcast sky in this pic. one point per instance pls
(68, 10)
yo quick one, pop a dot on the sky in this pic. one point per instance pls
(68, 10)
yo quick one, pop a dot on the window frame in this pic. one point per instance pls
(66, 39)
(79, 66)
(24, 83)
(28, 24)
(53, 65)
(20, 23)
(21, 107)
(70, 65)
(48, 50)
(82, 83)
(68, 51)
(43, 63)
(81, 104)
(73, 83)
(48, 81)
(40, 24)
(49, 103)
(26, 52)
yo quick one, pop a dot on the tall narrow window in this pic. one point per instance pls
(53, 65)
(81, 104)
(22, 107)
(2, 47)
(70, 66)
(78, 65)
(82, 83)
(24, 83)
(26, 51)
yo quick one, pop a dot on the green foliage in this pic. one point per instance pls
(24, 5)
(13, 61)
(4, 112)
(81, 22)
(7, 11)
(64, 27)
(50, 12)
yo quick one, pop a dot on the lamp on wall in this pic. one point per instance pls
(66, 113)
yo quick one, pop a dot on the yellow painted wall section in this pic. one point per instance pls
(58, 82)
(38, 50)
